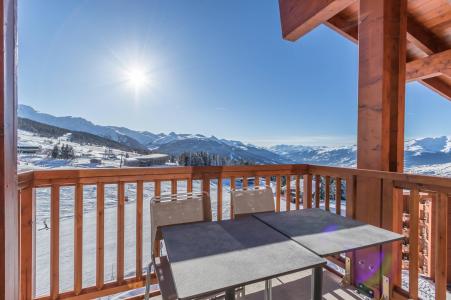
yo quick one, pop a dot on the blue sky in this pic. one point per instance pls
(212, 67)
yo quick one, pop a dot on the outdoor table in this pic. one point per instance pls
(325, 233)
(211, 257)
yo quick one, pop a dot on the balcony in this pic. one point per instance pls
(109, 213)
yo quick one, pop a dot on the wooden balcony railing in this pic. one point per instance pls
(74, 194)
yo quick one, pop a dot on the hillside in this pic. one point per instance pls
(82, 138)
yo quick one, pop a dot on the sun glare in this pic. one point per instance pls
(137, 78)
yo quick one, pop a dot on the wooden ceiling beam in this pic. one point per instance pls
(298, 17)
(417, 34)
(423, 39)
(430, 66)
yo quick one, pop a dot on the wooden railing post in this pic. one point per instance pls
(100, 235)
(27, 242)
(139, 228)
(78, 239)
(338, 196)
(120, 231)
(441, 246)
(298, 191)
(307, 197)
(54, 241)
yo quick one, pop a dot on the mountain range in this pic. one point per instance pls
(423, 151)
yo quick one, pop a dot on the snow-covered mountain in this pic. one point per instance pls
(428, 154)
(171, 143)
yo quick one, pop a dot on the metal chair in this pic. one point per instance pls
(252, 201)
(171, 210)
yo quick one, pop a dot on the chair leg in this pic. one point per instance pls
(149, 271)
(268, 289)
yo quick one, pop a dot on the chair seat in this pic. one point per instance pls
(165, 280)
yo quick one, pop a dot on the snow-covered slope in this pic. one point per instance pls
(171, 143)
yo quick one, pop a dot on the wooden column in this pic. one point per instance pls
(9, 204)
(380, 141)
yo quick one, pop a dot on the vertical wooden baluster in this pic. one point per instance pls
(174, 186)
(307, 199)
(288, 193)
(206, 191)
(317, 190)
(414, 208)
(256, 181)
(338, 196)
(78, 239)
(298, 191)
(441, 246)
(120, 231)
(219, 202)
(278, 184)
(27, 239)
(245, 183)
(100, 235)
(139, 228)
(158, 188)
(351, 189)
(268, 181)
(54, 241)
(189, 185)
(327, 191)
(232, 188)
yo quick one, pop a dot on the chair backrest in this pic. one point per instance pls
(177, 209)
(246, 202)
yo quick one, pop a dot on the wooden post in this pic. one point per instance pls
(380, 141)
(27, 240)
(9, 204)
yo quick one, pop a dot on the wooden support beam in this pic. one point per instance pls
(298, 17)
(417, 34)
(9, 208)
(380, 141)
(430, 66)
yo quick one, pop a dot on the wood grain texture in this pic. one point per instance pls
(441, 237)
(9, 208)
(430, 66)
(300, 17)
(338, 196)
(139, 229)
(100, 236)
(54, 240)
(278, 192)
(298, 191)
(27, 240)
(327, 193)
(317, 190)
(288, 193)
(307, 197)
(414, 233)
(120, 232)
(78, 239)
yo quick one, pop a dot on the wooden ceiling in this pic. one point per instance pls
(428, 33)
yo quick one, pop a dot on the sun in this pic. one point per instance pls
(137, 77)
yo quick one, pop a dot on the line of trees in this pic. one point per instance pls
(206, 159)
(64, 152)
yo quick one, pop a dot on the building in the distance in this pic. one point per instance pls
(27, 148)
(154, 159)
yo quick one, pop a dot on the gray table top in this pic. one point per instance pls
(325, 233)
(213, 256)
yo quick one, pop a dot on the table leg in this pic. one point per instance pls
(268, 289)
(230, 294)
(317, 283)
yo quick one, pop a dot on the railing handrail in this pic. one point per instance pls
(272, 174)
